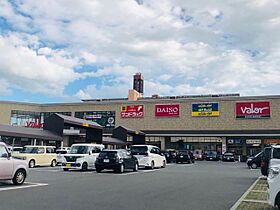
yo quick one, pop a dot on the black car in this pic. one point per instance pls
(255, 161)
(228, 157)
(184, 157)
(265, 160)
(117, 160)
(170, 156)
(212, 156)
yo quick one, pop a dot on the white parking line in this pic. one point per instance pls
(29, 185)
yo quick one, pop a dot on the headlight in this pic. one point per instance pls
(273, 172)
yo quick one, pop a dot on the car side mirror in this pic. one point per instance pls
(90, 153)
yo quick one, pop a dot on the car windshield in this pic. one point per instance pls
(139, 150)
(32, 150)
(108, 154)
(212, 153)
(79, 150)
(259, 154)
(228, 154)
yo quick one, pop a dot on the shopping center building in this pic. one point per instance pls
(226, 122)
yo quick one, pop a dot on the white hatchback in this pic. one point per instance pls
(148, 156)
(81, 156)
(11, 168)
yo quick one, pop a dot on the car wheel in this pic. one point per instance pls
(53, 164)
(254, 166)
(31, 164)
(66, 169)
(98, 170)
(84, 166)
(121, 169)
(164, 164)
(19, 177)
(152, 165)
(135, 167)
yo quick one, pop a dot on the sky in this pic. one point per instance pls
(68, 50)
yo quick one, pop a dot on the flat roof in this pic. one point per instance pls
(167, 99)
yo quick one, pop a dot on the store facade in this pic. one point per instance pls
(243, 125)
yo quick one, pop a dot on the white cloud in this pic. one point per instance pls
(181, 46)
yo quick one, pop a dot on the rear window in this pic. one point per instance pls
(108, 154)
(276, 153)
(228, 154)
(141, 150)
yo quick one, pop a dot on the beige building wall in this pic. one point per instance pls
(225, 121)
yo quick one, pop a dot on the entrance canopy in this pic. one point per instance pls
(23, 132)
(56, 123)
(121, 132)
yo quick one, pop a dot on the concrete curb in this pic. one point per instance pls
(244, 195)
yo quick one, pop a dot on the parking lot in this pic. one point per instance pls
(203, 185)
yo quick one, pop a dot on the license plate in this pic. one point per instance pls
(181, 156)
(228, 158)
(68, 164)
(211, 158)
(106, 160)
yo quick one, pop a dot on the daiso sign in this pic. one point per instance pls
(256, 109)
(167, 110)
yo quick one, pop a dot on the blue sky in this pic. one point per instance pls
(67, 50)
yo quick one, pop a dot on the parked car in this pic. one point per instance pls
(198, 154)
(255, 161)
(184, 156)
(118, 160)
(228, 157)
(274, 177)
(148, 156)
(38, 155)
(81, 156)
(265, 160)
(170, 156)
(11, 168)
(212, 156)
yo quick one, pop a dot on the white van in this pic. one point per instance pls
(148, 156)
(81, 156)
(274, 177)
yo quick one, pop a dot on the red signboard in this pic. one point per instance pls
(256, 109)
(136, 111)
(167, 110)
(34, 125)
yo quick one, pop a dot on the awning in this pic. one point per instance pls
(23, 132)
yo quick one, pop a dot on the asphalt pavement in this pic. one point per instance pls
(199, 186)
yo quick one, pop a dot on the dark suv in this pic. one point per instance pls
(118, 160)
(184, 156)
(212, 156)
